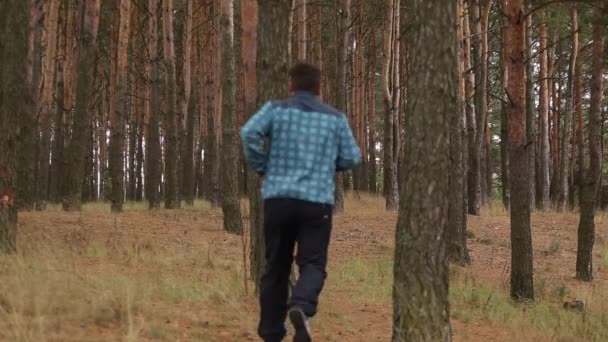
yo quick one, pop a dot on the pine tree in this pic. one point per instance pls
(420, 290)
(77, 151)
(230, 192)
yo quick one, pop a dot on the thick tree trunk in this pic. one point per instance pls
(522, 286)
(77, 150)
(272, 65)
(171, 161)
(26, 163)
(45, 104)
(456, 234)
(15, 103)
(420, 290)
(341, 91)
(543, 199)
(586, 228)
(230, 188)
(117, 139)
(249, 45)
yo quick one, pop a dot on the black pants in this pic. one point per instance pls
(287, 221)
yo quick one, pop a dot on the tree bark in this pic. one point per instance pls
(344, 19)
(580, 139)
(371, 118)
(530, 114)
(210, 167)
(473, 182)
(543, 200)
(272, 71)
(117, 138)
(230, 189)
(568, 114)
(456, 235)
(15, 103)
(420, 290)
(171, 161)
(26, 163)
(522, 286)
(391, 192)
(504, 134)
(153, 151)
(45, 103)
(189, 106)
(77, 150)
(302, 32)
(586, 228)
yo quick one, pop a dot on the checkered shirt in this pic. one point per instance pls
(307, 143)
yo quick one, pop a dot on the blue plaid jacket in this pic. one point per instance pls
(308, 141)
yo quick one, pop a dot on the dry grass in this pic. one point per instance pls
(174, 275)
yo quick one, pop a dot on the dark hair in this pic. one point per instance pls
(305, 77)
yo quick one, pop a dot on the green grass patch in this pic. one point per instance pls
(370, 280)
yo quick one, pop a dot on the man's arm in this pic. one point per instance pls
(252, 137)
(349, 154)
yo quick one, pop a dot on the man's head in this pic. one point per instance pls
(305, 77)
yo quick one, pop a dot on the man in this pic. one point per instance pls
(308, 142)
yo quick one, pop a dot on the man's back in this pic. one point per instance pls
(308, 142)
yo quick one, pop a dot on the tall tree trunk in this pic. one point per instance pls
(45, 103)
(473, 191)
(272, 62)
(543, 199)
(230, 188)
(15, 103)
(58, 142)
(171, 161)
(586, 227)
(482, 139)
(77, 150)
(371, 117)
(530, 114)
(210, 162)
(580, 139)
(26, 163)
(420, 290)
(188, 106)
(568, 114)
(388, 73)
(249, 43)
(456, 234)
(504, 136)
(117, 139)
(153, 151)
(341, 91)
(522, 286)
(475, 146)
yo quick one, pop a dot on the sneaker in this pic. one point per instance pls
(301, 325)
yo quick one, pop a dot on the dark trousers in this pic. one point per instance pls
(287, 221)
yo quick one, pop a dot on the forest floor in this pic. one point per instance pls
(176, 276)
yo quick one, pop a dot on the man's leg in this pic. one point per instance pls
(279, 238)
(313, 241)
